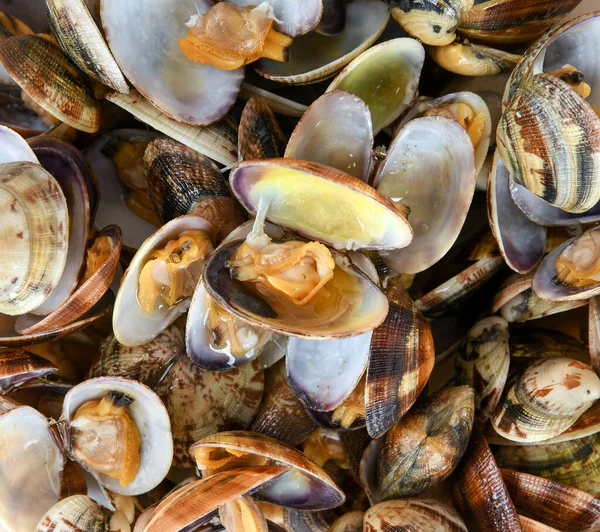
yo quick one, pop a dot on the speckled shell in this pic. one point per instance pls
(401, 361)
(51, 80)
(555, 504)
(75, 513)
(483, 363)
(182, 181)
(305, 487)
(430, 21)
(201, 403)
(18, 366)
(467, 59)
(575, 462)
(480, 493)
(413, 514)
(547, 398)
(259, 134)
(549, 140)
(425, 446)
(34, 236)
(77, 34)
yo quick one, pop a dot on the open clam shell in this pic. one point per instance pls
(306, 486)
(315, 57)
(143, 38)
(547, 398)
(32, 462)
(14, 147)
(151, 418)
(430, 167)
(364, 218)
(132, 326)
(35, 236)
(521, 241)
(385, 77)
(77, 34)
(336, 131)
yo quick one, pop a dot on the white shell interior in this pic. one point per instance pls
(152, 420)
(14, 147)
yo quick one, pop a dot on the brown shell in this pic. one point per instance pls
(259, 134)
(538, 342)
(594, 333)
(84, 297)
(425, 446)
(18, 366)
(201, 403)
(552, 503)
(281, 414)
(413, 514)
(138, 363)
(52, 80)
(401, 360)
(72, 480)
(513, 21)
(480, 493)
(10, 25)
(182, 181)
(511, 287)
(349, 522)
(531, 525)
(76, 513)
(192, 505)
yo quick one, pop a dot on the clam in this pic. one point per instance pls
(385, 77)
(547, 398)
(242, 514)
(32, 462)
(77, 512)
(594, 333)
(18, 366)
(279, 104)
(468, 59)
(536, 343)
(14, 148)
(35, 236)
(483, 363)
(399, 364)
(315, 57)
(425, 446)
(201, 403)
(335, 130)
(118, 430)
(305, 486)
(418, 514)
(161, 278)
(348, 522)
(10, 25)
(259, 134)
(430, 168)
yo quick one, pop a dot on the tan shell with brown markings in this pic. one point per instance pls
(18, 366)
(76, 513)
(259, 134)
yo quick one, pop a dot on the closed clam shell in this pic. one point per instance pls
(400, 363)
(315, 57)
(480, 493)
(538, 342)
(14, 147)
(281, 414)
(548, 139)
(575, 462)
(201, 403)
(467, 59)
(305, 486)
(77, 512)
(348, 522)
(427, 515)
(547, 398)
(193, 504)
(182, 181)
(555, 504)
(10, 25)
(34, 233)
(259, 134)
(425, 446)
(18, 366)
(483, 363)
(77, 34)
(51, 80)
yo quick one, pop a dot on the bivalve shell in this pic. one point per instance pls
(77, 512)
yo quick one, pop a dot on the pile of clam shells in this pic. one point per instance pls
(317, 266)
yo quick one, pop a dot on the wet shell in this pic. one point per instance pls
(51, 80)
(480, 493)
(547, 398)
(201, 403)
(555, 504)
(466, 59)
(483, 363)
(413, 514)
(14, 147)
(182, 181)
(425, 446)
(77, 34)
(75, 513)
(242, 514)
(18, 366)
(259, 134)
(34, 233)
(399, 365)
(549, 140)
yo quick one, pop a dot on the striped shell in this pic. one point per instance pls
(75, 513)
(547, 398)
(259, 134)
(18, 366)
